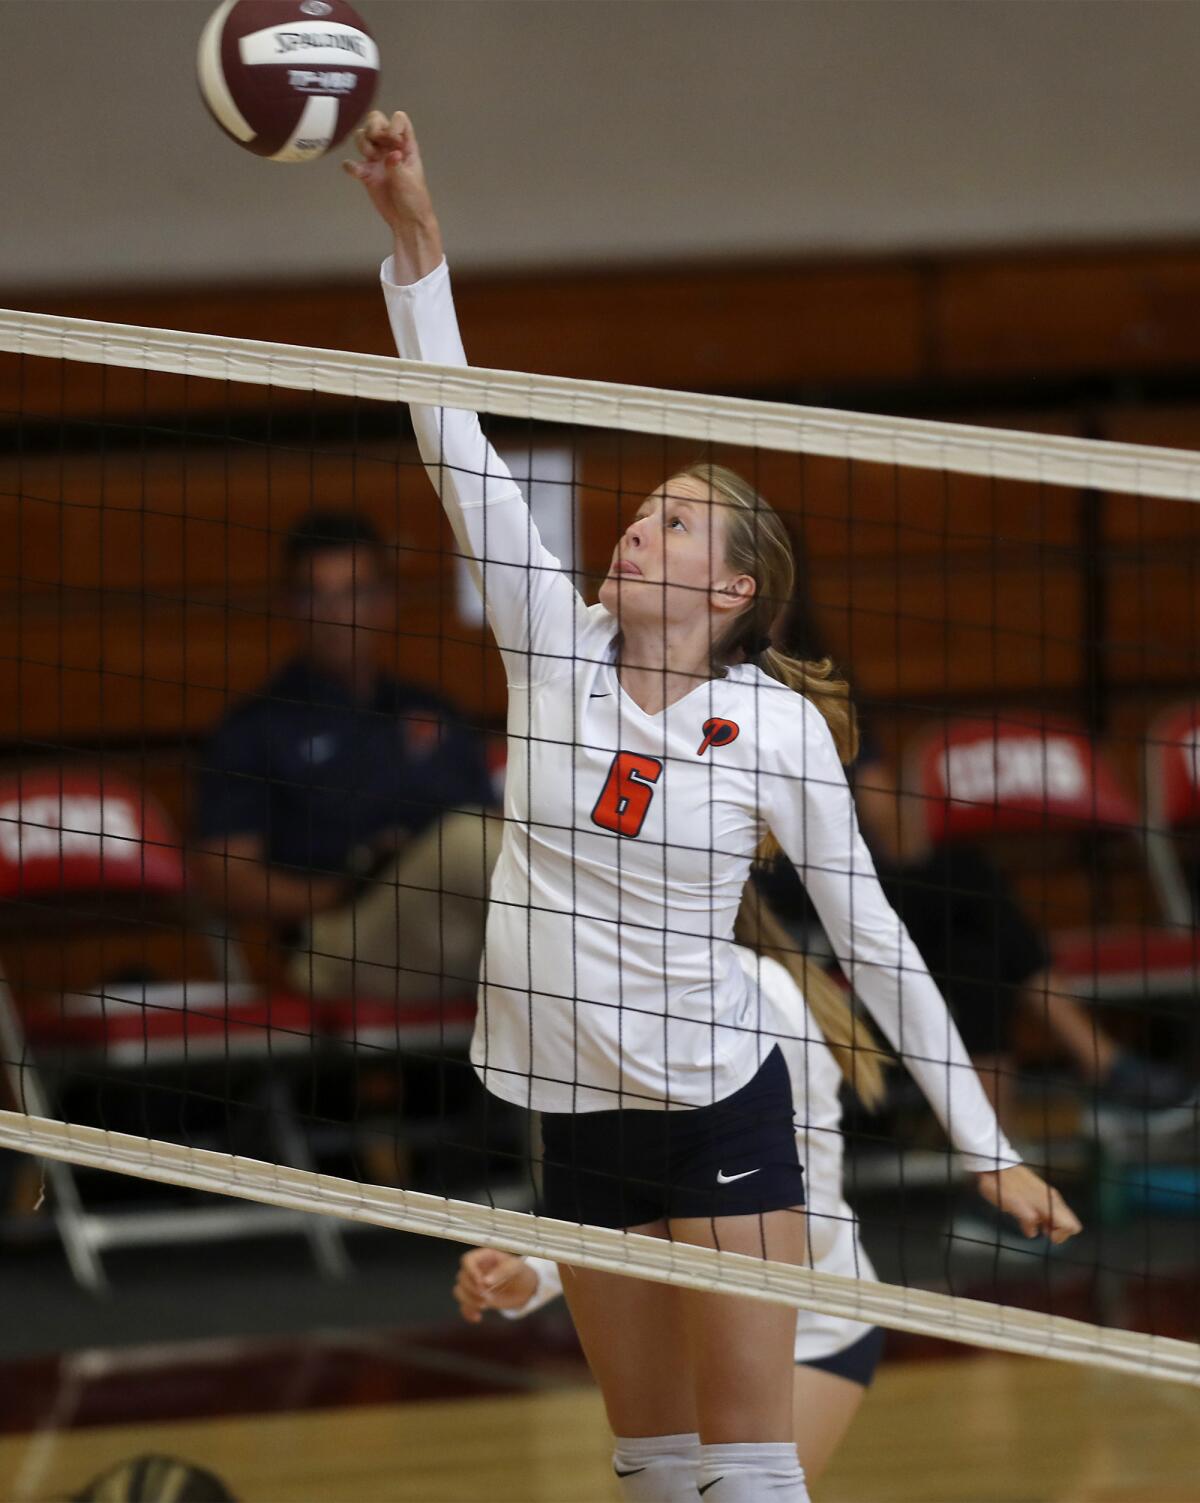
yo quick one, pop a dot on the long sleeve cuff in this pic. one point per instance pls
(549, 1287)
(387, 276)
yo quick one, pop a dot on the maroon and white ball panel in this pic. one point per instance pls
(287, 79)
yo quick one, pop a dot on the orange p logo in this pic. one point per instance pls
(717, 733)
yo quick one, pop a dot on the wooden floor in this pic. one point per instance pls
(983, 1430)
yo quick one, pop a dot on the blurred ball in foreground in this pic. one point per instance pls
(287, 79)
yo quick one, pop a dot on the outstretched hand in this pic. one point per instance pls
(393, 175)
(1035, 1206)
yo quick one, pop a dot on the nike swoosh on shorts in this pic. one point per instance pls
(728, 1179)
(632, 1473)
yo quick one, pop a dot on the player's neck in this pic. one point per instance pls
(657, 668)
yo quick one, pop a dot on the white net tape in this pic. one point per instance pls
(973, 1322)
(996, 453)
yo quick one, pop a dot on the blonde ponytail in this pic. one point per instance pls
(861, 1058)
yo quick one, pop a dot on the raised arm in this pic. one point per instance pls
(811, 812)
(534, 610)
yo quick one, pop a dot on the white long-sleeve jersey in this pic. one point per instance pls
(609, 976)
(831, 1226)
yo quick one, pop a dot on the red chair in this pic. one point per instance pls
(418, 1027)
(1026, 775)
(87, 849)
(1172, 782)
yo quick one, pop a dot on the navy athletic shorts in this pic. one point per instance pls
(856, 1362)
(633, 1166)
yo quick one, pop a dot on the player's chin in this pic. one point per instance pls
(623, 594)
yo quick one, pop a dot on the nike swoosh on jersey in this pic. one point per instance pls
(632, 1473)
(728, 1179)
(707, 1485)
(603, 694)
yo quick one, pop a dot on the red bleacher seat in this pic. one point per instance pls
(1173, 769)
(66, 833)
(1018, 775)
(87, 848)
(1128, 961)
(1028, 774)
(413, 1026)
(71, 836)
(1172, 777)
(163, 1022)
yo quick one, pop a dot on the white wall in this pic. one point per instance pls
(600, 131)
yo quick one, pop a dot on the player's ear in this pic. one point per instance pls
(733, 594)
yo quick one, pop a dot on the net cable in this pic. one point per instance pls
(952, 1317)
(997, 453)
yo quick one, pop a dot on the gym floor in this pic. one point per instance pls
(390, 1419)
(295, 1390)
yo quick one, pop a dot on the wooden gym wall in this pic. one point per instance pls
(136, 600)
(137, 595)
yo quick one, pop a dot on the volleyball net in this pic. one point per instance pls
(202, 873)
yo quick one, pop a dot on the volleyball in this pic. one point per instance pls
(287, 79)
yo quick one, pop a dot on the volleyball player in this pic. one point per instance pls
(654, 740)
(835, 1357)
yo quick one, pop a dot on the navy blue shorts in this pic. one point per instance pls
(856, 1362)
(631, 1167)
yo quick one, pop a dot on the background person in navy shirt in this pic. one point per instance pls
(347, 807)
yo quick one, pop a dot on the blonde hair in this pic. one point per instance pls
(757, 544)
(859, 1054)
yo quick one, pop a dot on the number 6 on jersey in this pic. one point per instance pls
(625, 798)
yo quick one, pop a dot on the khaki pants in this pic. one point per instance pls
(417, 929)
